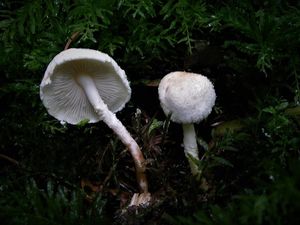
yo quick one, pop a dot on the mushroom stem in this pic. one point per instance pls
(108, 117)
(190, 147)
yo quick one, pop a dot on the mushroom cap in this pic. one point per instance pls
(188, 97)
(66, 100)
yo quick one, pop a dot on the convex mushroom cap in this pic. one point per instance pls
(187, 97)
(65, 99)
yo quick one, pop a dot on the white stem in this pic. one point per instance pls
(108, 117)
(90, 89)
(190, 146)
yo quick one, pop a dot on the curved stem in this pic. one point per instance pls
(108, 117)
(190, 147)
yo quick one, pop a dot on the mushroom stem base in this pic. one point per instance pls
(112, 121)
(191, 148)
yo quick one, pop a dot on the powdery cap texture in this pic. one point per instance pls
(66, 100)
(188, 97)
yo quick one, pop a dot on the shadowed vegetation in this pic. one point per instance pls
(53, 173)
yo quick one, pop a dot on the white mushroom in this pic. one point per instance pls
(188, 98)
(84, 84)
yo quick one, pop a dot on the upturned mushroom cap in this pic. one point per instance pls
(188, 97)
(65, 99)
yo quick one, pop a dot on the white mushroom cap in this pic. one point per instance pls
(188, 97)
(65, 99)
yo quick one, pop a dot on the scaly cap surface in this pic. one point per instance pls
(188, 97)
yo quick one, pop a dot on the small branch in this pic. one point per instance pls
(71, 39)
(10, 159)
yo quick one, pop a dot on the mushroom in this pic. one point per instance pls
(84, 84)
(188, 98)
